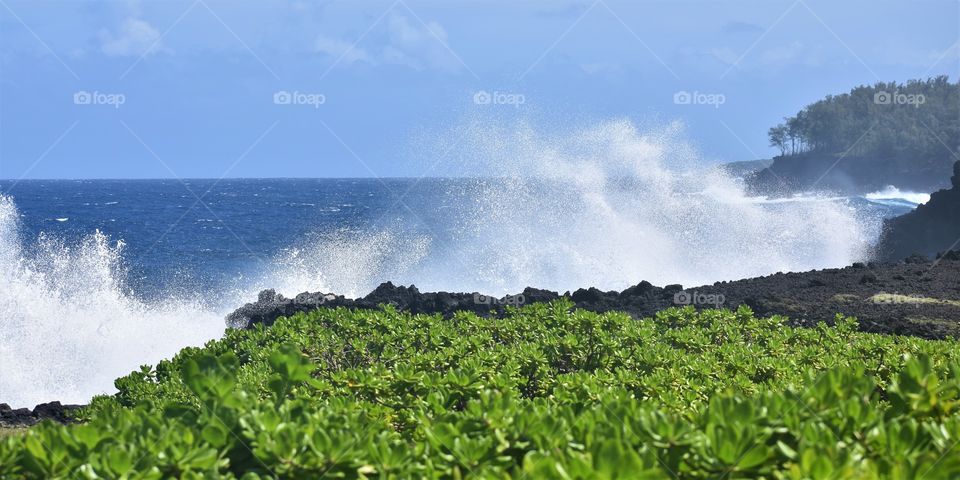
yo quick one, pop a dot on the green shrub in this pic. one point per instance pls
(544, 393)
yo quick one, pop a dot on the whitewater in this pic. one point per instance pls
(606, 206)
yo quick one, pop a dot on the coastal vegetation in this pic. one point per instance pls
(868, 138)
(548, 391)
(885, 119)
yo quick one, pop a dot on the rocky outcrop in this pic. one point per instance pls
(931, 228)
(746, 168)
(24, 417)
(915, 297)
(849, 175)
(270, 305)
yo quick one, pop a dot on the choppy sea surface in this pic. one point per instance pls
(203, 235)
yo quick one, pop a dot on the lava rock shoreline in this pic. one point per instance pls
(24, 417)
(918, 297)
(928, 229)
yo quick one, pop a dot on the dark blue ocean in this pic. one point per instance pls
(213, 232)
(209, 233)
(99, 276)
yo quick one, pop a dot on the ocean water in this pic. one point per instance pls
(213, 238)
(207, 236)
(98, 277)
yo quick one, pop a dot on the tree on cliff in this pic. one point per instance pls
(778, 138)
(917, 118)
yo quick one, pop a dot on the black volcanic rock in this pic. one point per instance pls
(932, 228)
(271, 305)
(951, 255)
(23, 417)
(536, 295)
(855, 175)
(882, 296)
(590, 295)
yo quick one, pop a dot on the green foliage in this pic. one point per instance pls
(544, 393)
(883, 120)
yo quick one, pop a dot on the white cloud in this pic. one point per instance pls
(411, 44)
(346, 52)
(395, 56)
(725, 55)
(420, 46)
(134, 37)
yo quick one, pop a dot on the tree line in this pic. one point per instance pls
(916, 118)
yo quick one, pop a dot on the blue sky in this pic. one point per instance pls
(139, 89)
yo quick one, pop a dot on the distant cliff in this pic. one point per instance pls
(901, 134)
(853, 175)
(746, 168)
(932, 228)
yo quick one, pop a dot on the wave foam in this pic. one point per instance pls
(605, 206)
(893, 193)
(68, 327)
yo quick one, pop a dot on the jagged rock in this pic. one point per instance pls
(915, 258)
(838, 290)
(641, 289)
(955, 179)
(590, 295)
(855, 175)
(23, 417)
(933, 227)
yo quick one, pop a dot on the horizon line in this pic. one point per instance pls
(227, 178)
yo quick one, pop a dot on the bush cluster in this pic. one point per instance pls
(547, 392)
